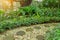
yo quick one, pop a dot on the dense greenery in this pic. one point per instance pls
(28, 15)
(53, 34)
(39, 17)
(51, 3)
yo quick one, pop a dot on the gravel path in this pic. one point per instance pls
(34, 32)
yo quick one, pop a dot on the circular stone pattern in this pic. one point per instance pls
(40, 37)
(37, 27)
(21, 33)
(46, 25)
(29, 29)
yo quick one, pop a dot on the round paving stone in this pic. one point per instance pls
(40, 37)
(21, 33)
(37, 27)
(29, 29)
(46, 25)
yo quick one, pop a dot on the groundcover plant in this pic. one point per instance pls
(53, 34)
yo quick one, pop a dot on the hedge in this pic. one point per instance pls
(13, 23)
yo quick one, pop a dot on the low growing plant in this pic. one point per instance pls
(54, 34)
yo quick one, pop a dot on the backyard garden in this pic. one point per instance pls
(33, 20)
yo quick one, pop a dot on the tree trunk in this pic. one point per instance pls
(25, 3)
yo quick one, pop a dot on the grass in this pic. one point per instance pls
(54, 34)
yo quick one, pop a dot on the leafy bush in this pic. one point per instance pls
(23, 21)
(50, 12)
(29, 10)
(33, 10)
(12, 23)
(51, 3)
(34, 15)
(53, 34)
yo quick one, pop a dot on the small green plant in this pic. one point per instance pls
(29, 15)
(53, 34)
(1, 12)
(51, 3)
(29, 10)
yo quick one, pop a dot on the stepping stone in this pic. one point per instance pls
(37, 27)
(46, 25)
(29, 29)
(40, 37)
(21, 33)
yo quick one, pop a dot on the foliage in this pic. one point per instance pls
(29, 10)
(51, 3)
(26, 16)
(1, 13)
(23, 21)
(50, 12)
(34, 10)
(13, 23)
(53, 34)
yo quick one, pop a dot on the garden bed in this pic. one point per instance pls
(34, 16)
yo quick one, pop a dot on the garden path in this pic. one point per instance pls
(33, 32)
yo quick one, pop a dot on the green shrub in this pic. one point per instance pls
(35, 15)
(51, 3)
(50, 12)
(23, 21)
(1, 14)
(53, 34)
(12, 23)
(33, 10)
(29, 10)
